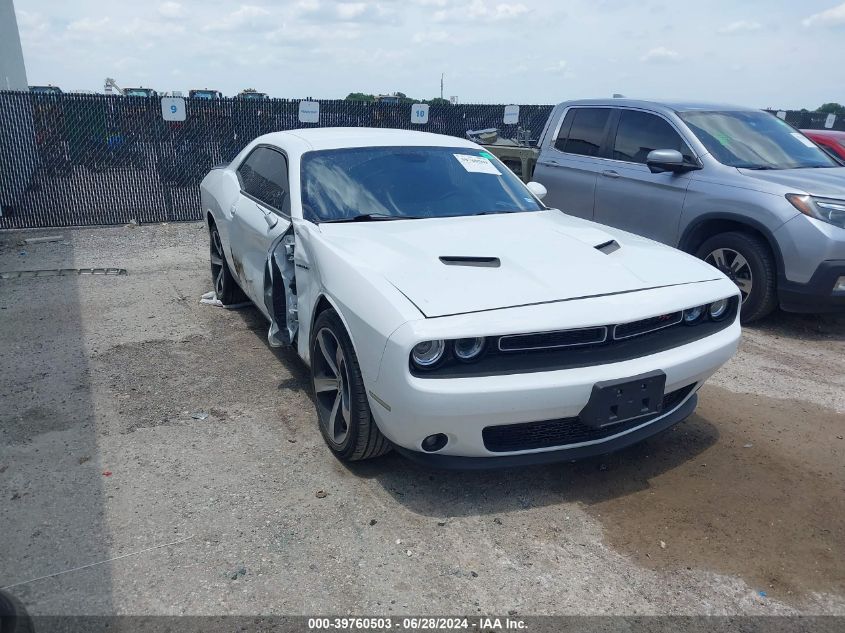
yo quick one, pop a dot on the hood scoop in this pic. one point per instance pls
(611, 246)
(483, 262)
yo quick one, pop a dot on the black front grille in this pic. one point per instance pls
(564, 431)
(552, 340)
(643, 326)
(570, 349)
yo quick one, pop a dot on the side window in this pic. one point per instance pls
(587, 133)
(264, 176)
(640, 132)
(560, 141)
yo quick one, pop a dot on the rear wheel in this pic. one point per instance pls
(343, 411)
(225, 286)
(747, 261)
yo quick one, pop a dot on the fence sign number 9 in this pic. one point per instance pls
(173, 108)
(419, 113)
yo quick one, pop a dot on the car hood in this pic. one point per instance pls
(540, 257)
(828, 181)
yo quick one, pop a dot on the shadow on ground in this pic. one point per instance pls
(52, 487)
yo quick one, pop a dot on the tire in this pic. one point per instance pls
(343, 410)
(748, 261)
(225, 286)
(13, 616)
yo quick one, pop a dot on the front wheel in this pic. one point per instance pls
(747, 261)
(346, 422)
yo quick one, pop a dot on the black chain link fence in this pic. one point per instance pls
(69, 160)
(805, 120)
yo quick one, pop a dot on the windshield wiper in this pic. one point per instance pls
(370, 217)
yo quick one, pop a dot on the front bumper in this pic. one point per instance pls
(813, 254)
(569, 453)
(816, 295)
(408, 409)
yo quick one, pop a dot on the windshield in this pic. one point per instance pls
(415, 182)
(754, 140)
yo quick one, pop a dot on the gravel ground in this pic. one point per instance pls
(106, 453)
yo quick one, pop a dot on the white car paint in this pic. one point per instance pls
(538, 253)
(387, 284)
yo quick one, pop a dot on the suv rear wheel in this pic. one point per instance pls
(747, 261)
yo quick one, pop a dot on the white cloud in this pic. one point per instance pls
(33, 22)
(328, 48)
(660, 54)
(171, 10)
(247, 17)
(89, 25)
(740, 26)
(834, 16)
(430, 37)
(319, 11)
(482, 11)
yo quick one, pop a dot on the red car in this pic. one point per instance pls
(832, 140)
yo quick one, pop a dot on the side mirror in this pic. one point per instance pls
(661, 160)
(537, 189)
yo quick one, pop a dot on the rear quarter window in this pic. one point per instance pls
(586, 133)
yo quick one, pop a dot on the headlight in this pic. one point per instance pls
(718, 309)
(469, 348)
(828, 210)
(428, 353)
(693, 315)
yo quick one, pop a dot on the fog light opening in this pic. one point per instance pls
(434, 443)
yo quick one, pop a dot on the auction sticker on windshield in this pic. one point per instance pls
(477, 164)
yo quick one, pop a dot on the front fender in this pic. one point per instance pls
(370, 307)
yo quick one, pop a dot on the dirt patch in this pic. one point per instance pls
(198, 380)
(764, 501)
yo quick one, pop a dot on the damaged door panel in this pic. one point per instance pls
(280, 297)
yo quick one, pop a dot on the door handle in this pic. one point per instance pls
(234, 208)
(609, 173)
(269, 218)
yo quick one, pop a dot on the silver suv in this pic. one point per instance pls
(738, 187)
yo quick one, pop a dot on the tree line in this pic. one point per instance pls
(403, 98)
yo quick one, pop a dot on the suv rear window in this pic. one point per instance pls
(639, 133)
(586, 133)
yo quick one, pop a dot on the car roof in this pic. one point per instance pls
(341, 137)
(663, 105)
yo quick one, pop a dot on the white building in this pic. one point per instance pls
(12, 69)
(18, 154)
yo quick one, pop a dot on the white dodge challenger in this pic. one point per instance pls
(446, 312)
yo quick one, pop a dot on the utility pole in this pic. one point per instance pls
(442, 75)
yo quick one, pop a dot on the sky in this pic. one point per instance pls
(761, 53)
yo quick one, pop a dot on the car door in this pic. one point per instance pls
(260, 215)
(628, 195)
(568, 165)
